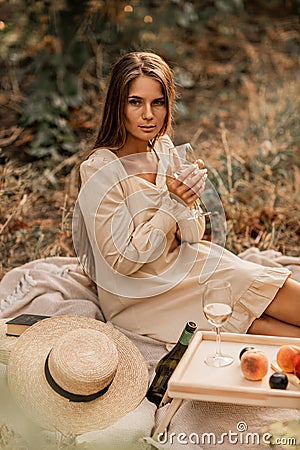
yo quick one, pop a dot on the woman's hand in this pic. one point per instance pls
(190, 183)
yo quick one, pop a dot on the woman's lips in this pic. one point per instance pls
(147, 129)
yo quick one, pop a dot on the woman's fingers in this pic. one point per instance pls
(196, 181)
(189, 184)
(187, 172)
(199, 183)
(200, 163)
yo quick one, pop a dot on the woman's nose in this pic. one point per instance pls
(147, 112)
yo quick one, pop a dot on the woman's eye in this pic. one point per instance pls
(159, 102)
(134, 102)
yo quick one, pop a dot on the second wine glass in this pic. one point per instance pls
(217, 308)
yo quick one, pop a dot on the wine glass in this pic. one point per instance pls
(182, 156)
(217, 308)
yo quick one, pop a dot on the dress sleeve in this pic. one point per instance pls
(121, 244)
(191, 232)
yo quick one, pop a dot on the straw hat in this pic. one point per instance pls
(76, 374)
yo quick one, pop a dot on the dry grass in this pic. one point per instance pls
(36, 210)
(256, 168)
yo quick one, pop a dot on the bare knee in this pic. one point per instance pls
(261, 325)
(268, 326)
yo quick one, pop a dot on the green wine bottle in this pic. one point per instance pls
(166, 366)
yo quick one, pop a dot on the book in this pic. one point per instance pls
(17, 325)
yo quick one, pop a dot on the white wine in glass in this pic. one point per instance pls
(217, 308)
(182, 158)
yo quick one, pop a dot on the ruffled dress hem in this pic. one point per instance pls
(254, 301)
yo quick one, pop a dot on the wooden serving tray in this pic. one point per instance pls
(194, 379)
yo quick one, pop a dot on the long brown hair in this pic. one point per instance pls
(112, 132)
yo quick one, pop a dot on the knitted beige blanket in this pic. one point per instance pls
(57, 286)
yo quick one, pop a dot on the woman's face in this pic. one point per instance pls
(145, 111)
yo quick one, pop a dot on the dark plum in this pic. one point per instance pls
(245, 349)
(278, 380)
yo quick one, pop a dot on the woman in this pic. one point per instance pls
(143, 250)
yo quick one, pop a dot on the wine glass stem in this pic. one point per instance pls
(218, 341)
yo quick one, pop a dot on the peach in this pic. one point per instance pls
(254, 364)
(285, 357)
(297, 365)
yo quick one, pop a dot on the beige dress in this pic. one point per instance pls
(148, 257)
